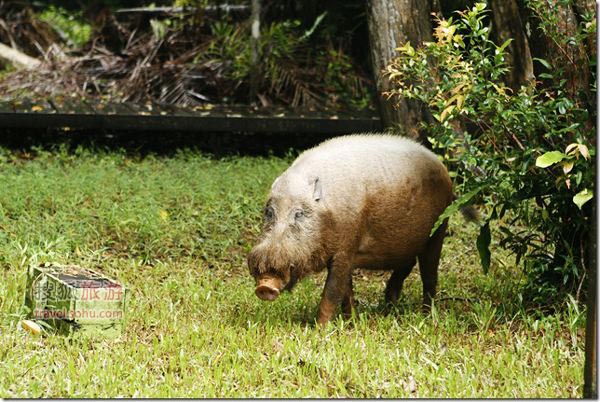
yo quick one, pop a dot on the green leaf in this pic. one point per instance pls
(582, 197)
(549, 159)
(455, 206)
(504, 45)
(446, 112)
(483, 246)
(544, 63)
(159, 29)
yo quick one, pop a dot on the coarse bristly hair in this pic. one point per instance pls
(291, 254)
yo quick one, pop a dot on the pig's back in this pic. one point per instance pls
(363, 163)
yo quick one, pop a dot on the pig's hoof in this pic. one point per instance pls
(266, 293)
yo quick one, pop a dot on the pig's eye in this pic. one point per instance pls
(299, 214)
(269, 212)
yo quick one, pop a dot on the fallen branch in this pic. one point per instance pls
(177, 10)
(18, 59)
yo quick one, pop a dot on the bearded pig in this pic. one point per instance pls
(357, 201)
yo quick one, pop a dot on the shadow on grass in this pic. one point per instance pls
(300, 307)
(479, 313)
(160, 143)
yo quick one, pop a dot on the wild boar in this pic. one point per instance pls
(365, 200)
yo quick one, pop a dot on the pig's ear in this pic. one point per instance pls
(318, 190)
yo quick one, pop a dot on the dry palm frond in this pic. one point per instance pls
(187, 65)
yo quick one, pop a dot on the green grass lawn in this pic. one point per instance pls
(175, 230)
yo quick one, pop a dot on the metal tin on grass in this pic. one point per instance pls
(75, 299)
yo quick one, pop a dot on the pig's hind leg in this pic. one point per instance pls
(393, 289)
(348, 301)
(429, 261)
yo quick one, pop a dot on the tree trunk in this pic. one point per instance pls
(575, 60)
(590, 369)
(563, 56)
(507, 24)
(583, 7)
(392, 23)
(254, 38)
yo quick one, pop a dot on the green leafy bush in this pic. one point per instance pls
(526, 154)
(67, 24)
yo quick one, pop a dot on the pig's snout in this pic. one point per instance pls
(268, 289)
(266, 293)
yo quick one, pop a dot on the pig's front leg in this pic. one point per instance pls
(337, 288)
